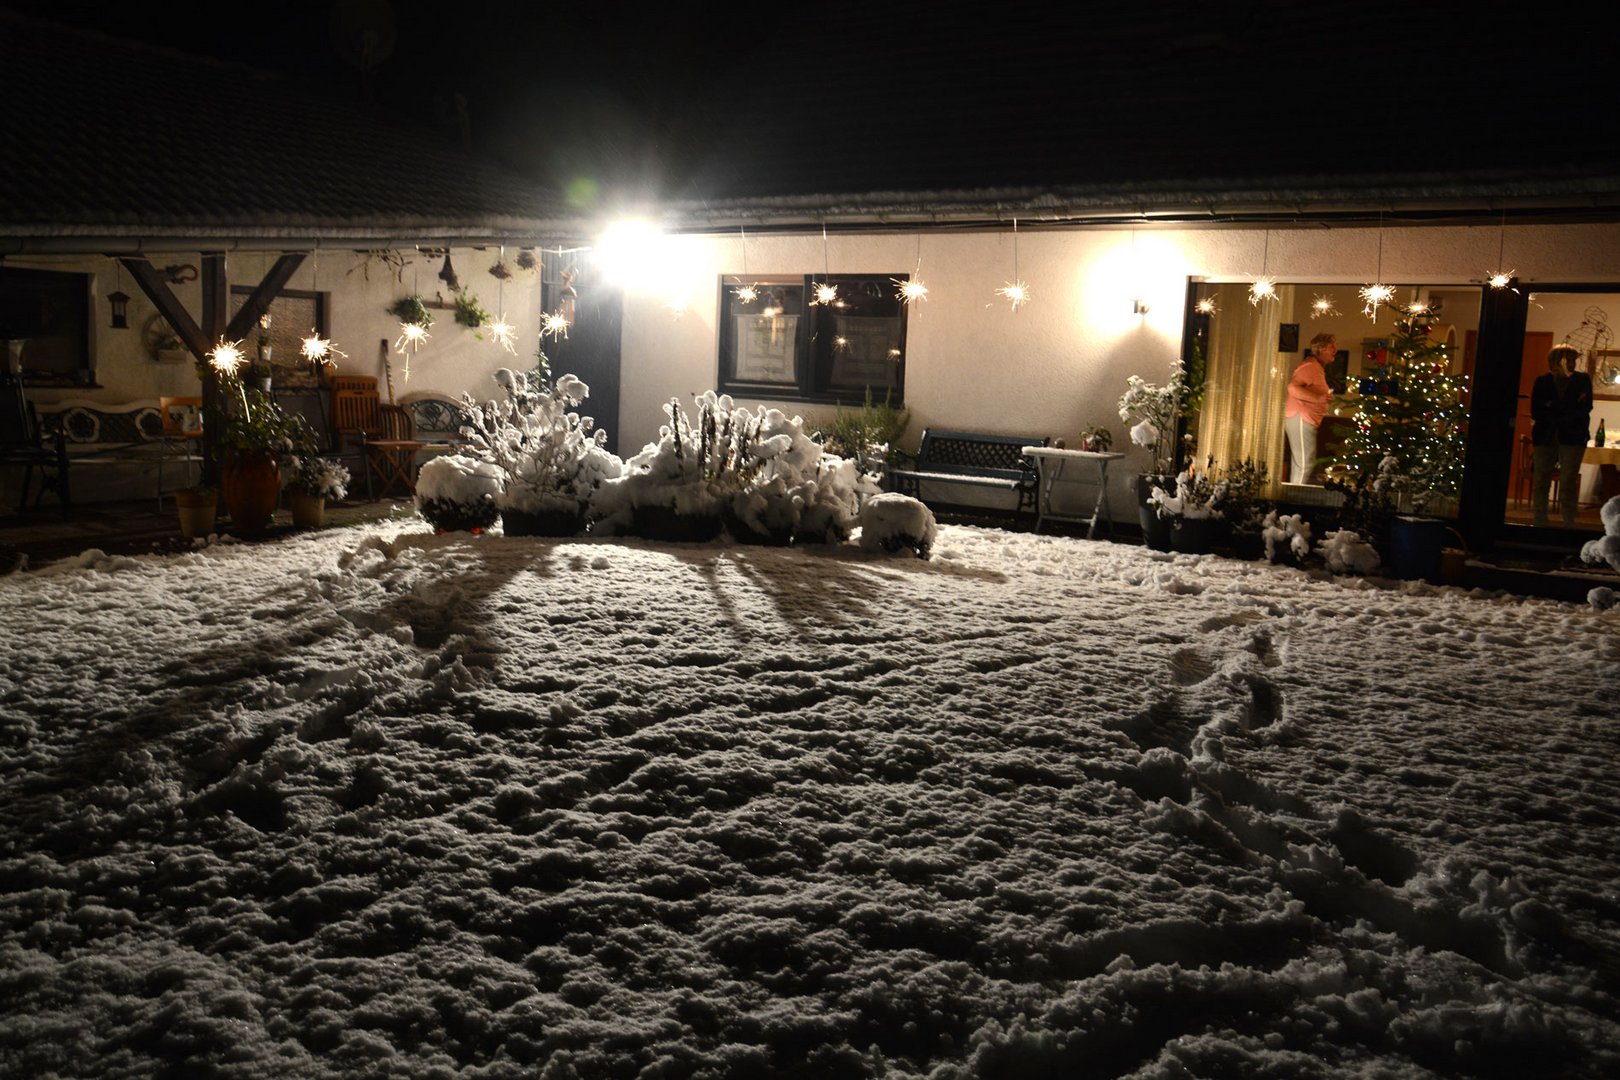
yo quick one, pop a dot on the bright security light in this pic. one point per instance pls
(630, 251)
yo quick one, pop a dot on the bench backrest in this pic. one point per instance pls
(975, 453)
(437, 419)
(104, 423)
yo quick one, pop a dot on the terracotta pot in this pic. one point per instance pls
(308, 511)
(542, 523)
(251, 484)
(197, 512)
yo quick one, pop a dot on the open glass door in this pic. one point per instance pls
(1567, 488)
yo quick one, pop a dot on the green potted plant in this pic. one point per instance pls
(314, 480)
(1192, 510)
(1096, 439)
(257, 436)
(1246, 507)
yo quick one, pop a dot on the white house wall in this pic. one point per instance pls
(1060, 362)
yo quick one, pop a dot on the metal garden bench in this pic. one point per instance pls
(974, 458)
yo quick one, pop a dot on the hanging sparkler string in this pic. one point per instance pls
(501, 331)
(745, 291)
(1265, 286)
(1377, 293)
(1500, 278)
(825, 291)
(1015, 290)
(913, 289)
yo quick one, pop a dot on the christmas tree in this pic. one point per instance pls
(1417, 413)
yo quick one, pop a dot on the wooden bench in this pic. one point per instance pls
(975, 458)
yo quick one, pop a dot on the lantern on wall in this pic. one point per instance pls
(120, 309)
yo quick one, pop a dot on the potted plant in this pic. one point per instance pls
(550, 459)
(170, 349)
(258, 434)
(314, 479)
(677, 488)
(469, 312)
(1246, 507)
(1192, 510)
(198, 505)
(1096, 439)
(1151, 413)
(456, 492)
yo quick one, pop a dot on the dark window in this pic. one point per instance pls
(47, 314)
(781, 343)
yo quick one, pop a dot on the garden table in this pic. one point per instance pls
(1052, 462)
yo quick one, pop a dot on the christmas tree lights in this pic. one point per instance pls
(1417, 415)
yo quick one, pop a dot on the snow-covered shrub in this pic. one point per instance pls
(891, 522)
(318, 477)
(1150, 413)
(693, 470)
(1196, 497)
(549, 459)
(1606, 548)
(792, 487)
(1286, 535)
(458, 492)
(1347, 553)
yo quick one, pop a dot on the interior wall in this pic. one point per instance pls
(1060, 362)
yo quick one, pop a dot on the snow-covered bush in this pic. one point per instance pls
(1196, 497)
(1606, 548)
(458, 492)
(1150, 413)
(549, 458)
(318, 477)
(891, 522)
(1286, 535)
(1347, 553)
(793, 487)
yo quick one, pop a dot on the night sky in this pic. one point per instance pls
(707, 99)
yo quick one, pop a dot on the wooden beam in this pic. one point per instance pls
(257, 303)
(168, 305)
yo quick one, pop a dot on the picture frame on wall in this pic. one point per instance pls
(1288, 337)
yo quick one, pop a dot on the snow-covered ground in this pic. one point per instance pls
(374, 802)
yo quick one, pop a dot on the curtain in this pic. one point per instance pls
(1245, 383)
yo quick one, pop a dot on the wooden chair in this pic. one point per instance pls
(383, 437)
(24, 442)
(182, 436)
(1524, 485)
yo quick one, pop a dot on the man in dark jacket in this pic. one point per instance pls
(1561, 409)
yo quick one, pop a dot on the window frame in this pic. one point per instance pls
(812, 343)
(70, 295)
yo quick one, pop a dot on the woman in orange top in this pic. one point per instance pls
(1308, 397)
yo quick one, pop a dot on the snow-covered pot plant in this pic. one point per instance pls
(678, 487)
(457, 492)
(793, 488)
(312, 480)
(1149, 412)
(1288, 537)
(893, 523)
(1246, 507)
(550, 459)
(1191, 511)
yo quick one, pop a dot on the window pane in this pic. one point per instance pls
(860, 338)
(48, 312)
(760, 336)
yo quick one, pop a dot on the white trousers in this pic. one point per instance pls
(1302, 446)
